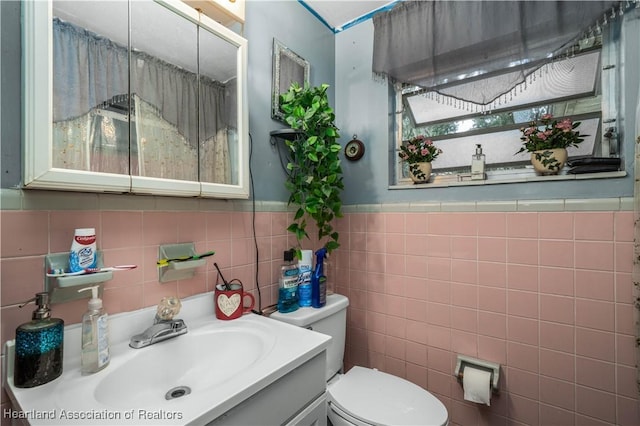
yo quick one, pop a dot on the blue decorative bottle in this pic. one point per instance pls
(39, 345)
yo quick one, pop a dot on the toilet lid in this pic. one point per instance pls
(381, 399)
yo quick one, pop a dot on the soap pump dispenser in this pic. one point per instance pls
(477, 164)
(39, 346)
(95, 335)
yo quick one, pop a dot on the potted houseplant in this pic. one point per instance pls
(314, 171)
(418, 152)
(548, 140)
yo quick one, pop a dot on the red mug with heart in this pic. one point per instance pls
(230, 304)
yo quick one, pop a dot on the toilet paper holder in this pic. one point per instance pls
(491, 367)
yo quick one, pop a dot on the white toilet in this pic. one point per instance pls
(364, 396)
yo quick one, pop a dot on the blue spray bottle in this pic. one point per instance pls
(319, 281)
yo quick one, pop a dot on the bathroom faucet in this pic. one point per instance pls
(164, 326)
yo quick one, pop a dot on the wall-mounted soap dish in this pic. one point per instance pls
(65, 289)
(179, 261)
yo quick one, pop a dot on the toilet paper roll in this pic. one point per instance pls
(477, 385)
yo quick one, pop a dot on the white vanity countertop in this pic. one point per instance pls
(72, 395)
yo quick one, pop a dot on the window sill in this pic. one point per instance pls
(498, 177)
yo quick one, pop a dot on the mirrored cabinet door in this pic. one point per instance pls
(90, 128)
(218, 126)
(128, 105)
(223, 131)
(164, 94)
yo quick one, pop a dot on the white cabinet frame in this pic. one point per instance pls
(37, 96)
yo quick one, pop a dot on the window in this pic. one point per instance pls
(574, 86)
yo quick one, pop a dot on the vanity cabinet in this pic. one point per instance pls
(250, 371)
(139, 96)
(296, 399)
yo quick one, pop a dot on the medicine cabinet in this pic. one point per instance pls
(137, 96)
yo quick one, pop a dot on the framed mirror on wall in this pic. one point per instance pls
(288, 67)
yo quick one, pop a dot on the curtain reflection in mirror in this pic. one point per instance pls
(163, 151)
(214, 132)
(92, 111)
(90, 142)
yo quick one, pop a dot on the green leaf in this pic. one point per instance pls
(309, 113)
(298, 112)
(300, 234)
(299, 214)
(332, 245)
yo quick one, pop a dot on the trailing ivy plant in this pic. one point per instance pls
(314, 171)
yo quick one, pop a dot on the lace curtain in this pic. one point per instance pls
(90, 142)
(436, 44)
(170, 111)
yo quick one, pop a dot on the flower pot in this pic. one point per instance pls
(420, 172)
(549, 161)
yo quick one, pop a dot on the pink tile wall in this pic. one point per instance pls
(128, 237)
(547, 295)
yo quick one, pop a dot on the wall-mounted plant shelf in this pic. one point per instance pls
(65, 289)
(286, 134)
(181, 270)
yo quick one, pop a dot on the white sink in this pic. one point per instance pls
(211, 369)
(183, 366)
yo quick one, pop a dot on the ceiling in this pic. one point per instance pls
(339, 15)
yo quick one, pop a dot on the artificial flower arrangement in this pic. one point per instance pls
(418, 149)
(554, 135)
(548, 144)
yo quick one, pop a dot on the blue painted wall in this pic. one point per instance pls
(302, 32)
(363, 108)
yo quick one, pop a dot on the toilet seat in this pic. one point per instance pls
(375, 398)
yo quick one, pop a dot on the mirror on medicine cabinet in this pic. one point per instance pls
(134, 96)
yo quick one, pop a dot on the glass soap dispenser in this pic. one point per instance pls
(477, 164)
(95, 335)
(39, 346)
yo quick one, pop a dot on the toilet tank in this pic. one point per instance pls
(331, 320)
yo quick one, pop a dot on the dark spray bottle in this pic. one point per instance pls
(319, 281)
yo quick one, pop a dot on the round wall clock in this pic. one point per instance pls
(354, 149)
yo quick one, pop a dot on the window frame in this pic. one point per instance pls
(606, 85)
